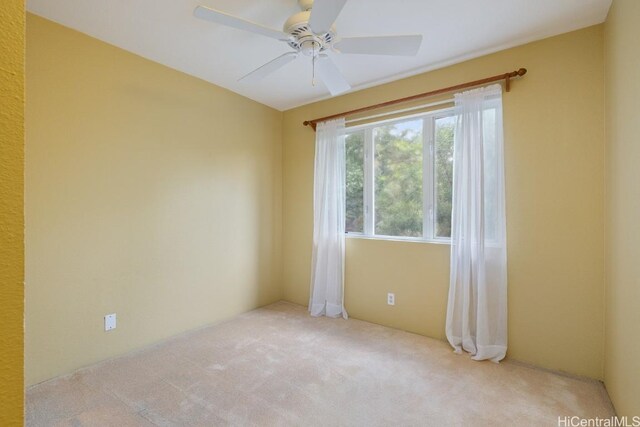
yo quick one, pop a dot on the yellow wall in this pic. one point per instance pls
(11, 211)
(622, 342)
(150, 194)
(554, 133)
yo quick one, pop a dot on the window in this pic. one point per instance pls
(399, 178)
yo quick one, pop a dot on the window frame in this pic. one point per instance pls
(429, 216)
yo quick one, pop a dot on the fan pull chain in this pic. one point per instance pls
(313, 66)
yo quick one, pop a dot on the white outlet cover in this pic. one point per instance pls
(109, 322)
(391, 298)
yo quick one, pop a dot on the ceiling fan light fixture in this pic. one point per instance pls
(310, 46)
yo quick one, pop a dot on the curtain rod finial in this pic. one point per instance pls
(522, 71)
(309, 123)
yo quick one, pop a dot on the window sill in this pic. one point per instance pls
(399, 239)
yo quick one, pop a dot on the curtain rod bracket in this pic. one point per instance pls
(506, 77)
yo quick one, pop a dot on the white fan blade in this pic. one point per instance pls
(213, 15)
(331, 76)
(269, 67)
(324, 13)
(389, 45)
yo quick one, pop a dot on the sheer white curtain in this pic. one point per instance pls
(477, 309)
(327, 269)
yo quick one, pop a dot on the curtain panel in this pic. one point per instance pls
(327, 271)
(477, 307)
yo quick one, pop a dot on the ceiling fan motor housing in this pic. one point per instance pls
(302, 38)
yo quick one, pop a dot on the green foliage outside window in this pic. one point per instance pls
(445, 128)
(354, 157)
(398, 180)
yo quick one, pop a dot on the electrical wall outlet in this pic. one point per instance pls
(391, 298)
(109, 322)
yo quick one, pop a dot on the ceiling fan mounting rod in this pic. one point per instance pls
(305, 5)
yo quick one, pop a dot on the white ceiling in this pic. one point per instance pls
(165, 31)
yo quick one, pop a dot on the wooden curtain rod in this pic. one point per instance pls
(506, 77)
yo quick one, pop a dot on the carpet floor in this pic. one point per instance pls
(279, 366)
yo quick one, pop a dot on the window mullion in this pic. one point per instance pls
(428, 177)
(369, 182)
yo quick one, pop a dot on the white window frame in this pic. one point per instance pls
(428, 177)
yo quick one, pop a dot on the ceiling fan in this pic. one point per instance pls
(312, 33)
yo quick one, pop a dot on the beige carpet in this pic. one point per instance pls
(278, 366)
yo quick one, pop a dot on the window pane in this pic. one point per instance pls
(354, 154)
(444, 131)
(398, 179)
